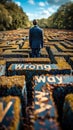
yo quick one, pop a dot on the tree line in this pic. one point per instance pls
(62, 19)
(12, 16)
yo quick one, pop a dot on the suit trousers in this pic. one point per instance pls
(35, 52)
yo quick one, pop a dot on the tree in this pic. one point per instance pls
(12, 16)
(5, 18)
(62, 19)
(4, 1)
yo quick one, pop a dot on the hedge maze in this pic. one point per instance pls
(36, 93)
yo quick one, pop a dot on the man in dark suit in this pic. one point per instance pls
(35, 39)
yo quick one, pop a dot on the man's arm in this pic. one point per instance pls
(42, 38)
(30, 38)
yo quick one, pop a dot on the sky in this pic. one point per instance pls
(37, 9)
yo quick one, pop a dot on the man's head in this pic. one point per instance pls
(34, 22)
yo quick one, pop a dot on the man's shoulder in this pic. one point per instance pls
(31, 28)
(36, 27)
(40, 28)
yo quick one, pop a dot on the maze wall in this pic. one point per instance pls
(58, 47)
(35, 84)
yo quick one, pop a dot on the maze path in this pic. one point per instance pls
(56, 48)
(59, 51)
(10, 54)
(10, 113)
(66, 45)
(43, 106)
(62, 48)
(30, 69)
(57, 54)
(62, 64)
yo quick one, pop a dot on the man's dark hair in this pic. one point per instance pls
(34, 22)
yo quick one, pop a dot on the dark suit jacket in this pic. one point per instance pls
(36, 37)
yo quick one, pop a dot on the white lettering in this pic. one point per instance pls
(38, 67)
(51, 79)
(40, 79)
(3, 112)
(31, 66)
(25, 66)
(41, 101)
(47, 67)
(60, 79)
(18, 66)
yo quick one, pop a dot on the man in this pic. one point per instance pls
(35, 39)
